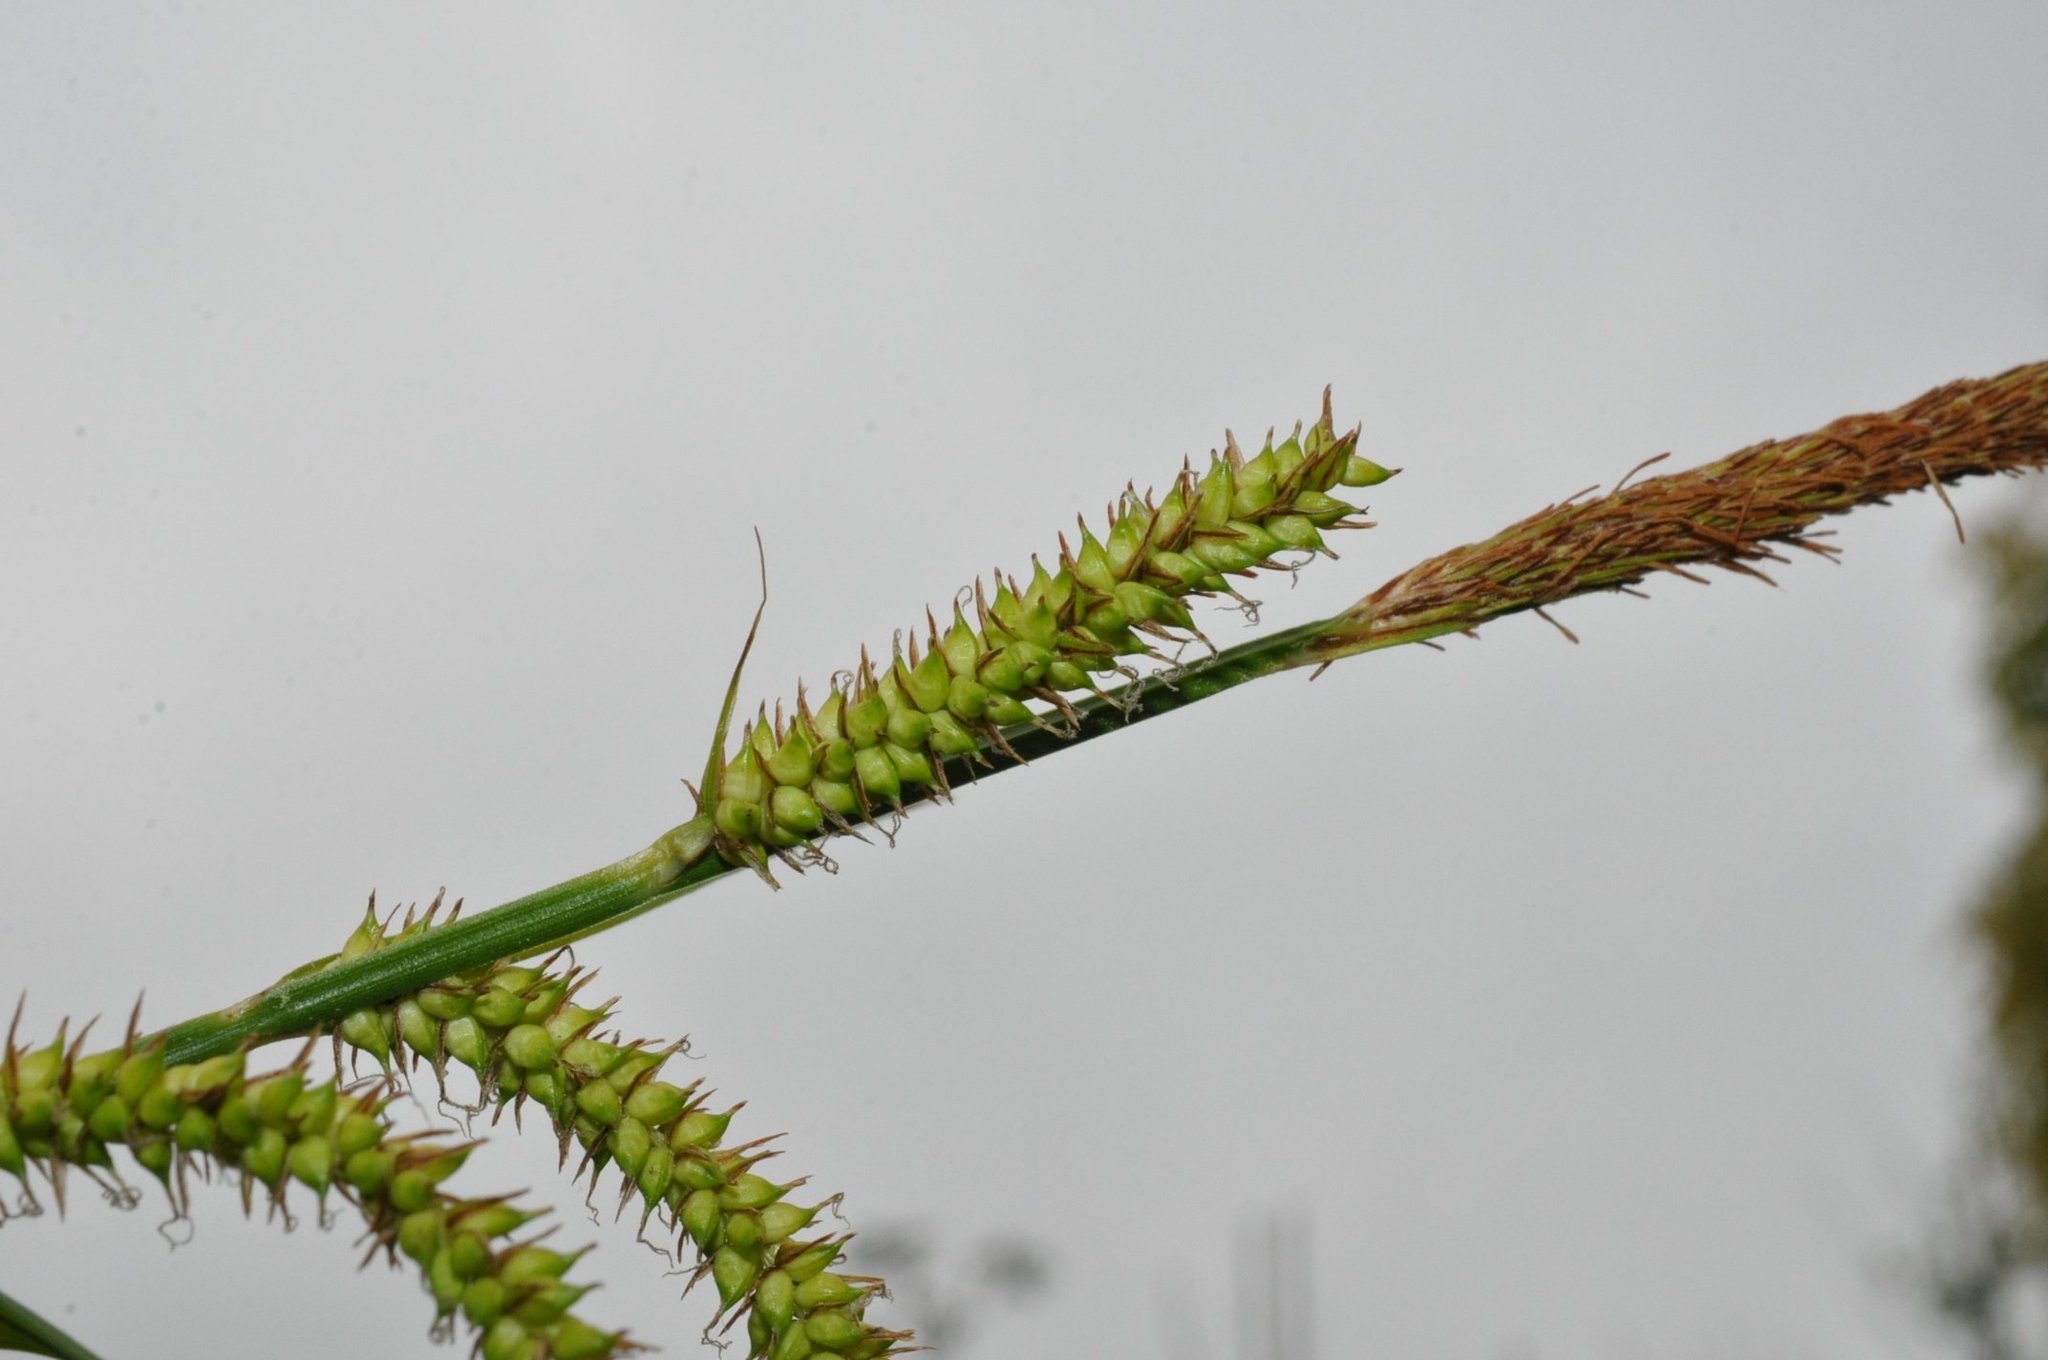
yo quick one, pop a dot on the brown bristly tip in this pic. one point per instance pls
(1950, 505)
(71, 1055)
(1541, 613)
(1630, 475)
(1727, 515)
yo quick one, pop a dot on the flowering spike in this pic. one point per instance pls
(883, 737)
(608, 1098)
(61, 1106)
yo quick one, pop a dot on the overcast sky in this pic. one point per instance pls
(388, 395)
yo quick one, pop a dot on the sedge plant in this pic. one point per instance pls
(1093, 639)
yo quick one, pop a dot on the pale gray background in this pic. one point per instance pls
(387, 396)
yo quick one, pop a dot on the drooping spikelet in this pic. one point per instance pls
(884, 733)
(63, 1108)
(520, 1030)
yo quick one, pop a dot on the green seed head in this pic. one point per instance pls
(656, 1174)
(411, 1190)
(443, 1004)
(576, 1339)
(508, 1339)
(530, 1046)
(195, 1130)
(359, 1131)
(499, 1007)
(35, 1111)
(311, 1162)
(826, 1291)
(1363, 472)
(590, 1056)
(795, 811)
(158, 1107)
(38, 1068)
(442, 1281)
(533, 1265)
(793, 1345)
(239, 1120)
(547, 1304)
(273, 1096)
(834, 1329)
(701, 1129)
(875, 774)
(949, 737)
(157, 1155)
(489, 1218)
(421, 1033)
(740, 820)
(733, 1271)
(743, 1232)
(600, 1103)
(465, 1041)
(657, 1102)
(366, 937)
(365, 1030)
(571, 1022)
(629, 1145)
(926, 683)
(744, 781)
(483, 1301)
(110, 1120)
(313, 1111)
(138, 1075)
(467, 1255)
(13, 1159)
(836, 761)
(628, 1067)
(809, 1260)
(795, 761)
(368, 1171)
(782, 1220)
(546, 1088)
(264, 1159)
(775, 1299)
(1296, 531)
(866, 719)
(911, 767)
(702, 1218)
(751, 1192)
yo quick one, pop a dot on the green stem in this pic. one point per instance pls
(315, 996)
(1725, 514)
(23, 1329)
(539, 921)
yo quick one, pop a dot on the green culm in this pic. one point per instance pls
(455, 991)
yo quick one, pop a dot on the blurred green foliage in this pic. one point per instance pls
(2012, 921)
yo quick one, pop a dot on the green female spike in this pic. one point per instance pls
(882, 738)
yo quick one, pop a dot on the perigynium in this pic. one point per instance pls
(1023, 676)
